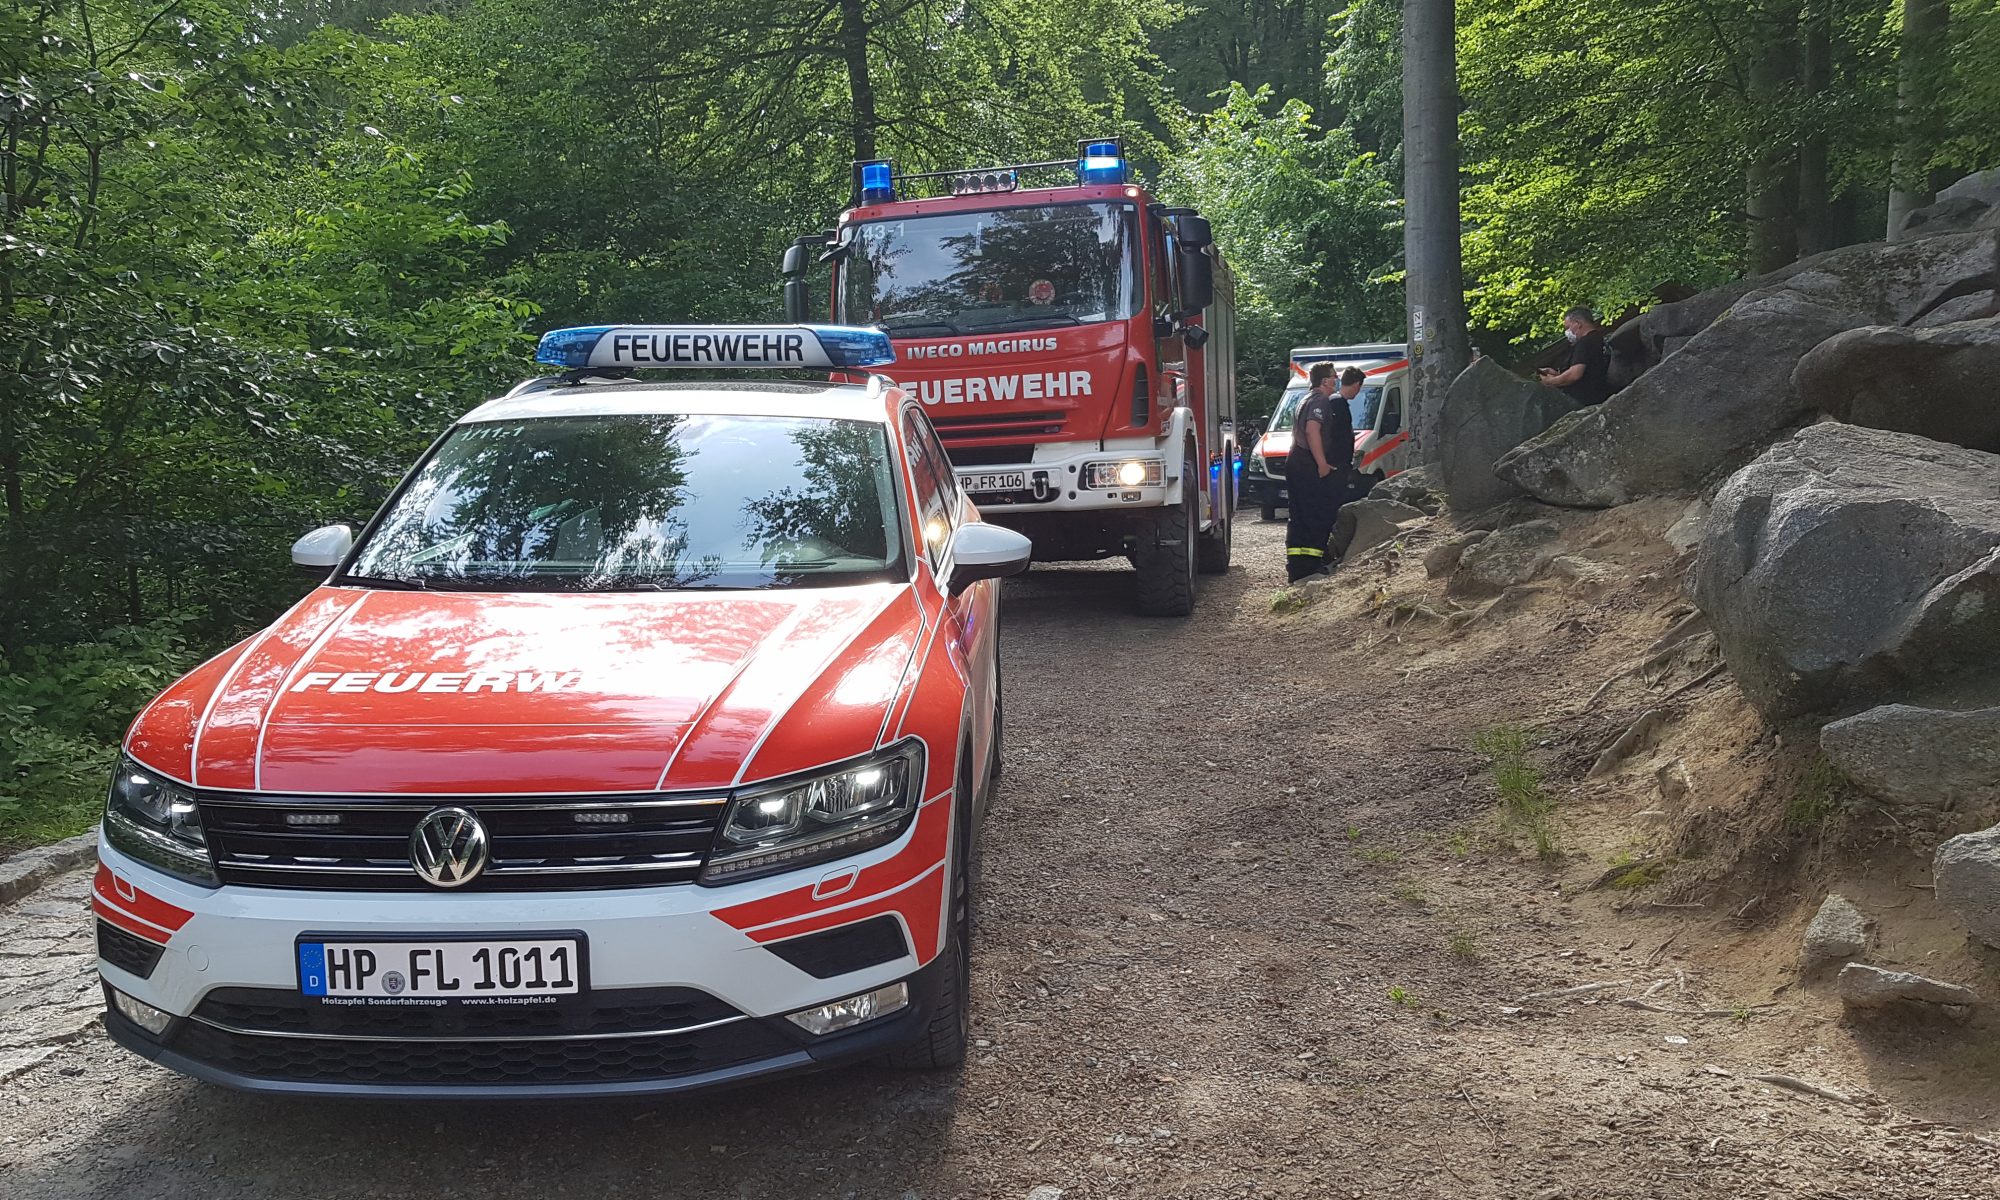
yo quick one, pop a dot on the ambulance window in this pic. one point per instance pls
(928, 472)
(1392, 419)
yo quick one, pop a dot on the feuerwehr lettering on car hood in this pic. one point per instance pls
(358, 691)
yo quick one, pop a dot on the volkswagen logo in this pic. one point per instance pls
(448, 847)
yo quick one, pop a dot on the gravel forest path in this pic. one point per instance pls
(1240, 934)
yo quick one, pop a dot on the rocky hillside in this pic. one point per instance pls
(1802, 553)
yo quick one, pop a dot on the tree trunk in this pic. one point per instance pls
(1815, 209)
(1770, 178)
(1435, 284)
(1926, 57)
(854, 49)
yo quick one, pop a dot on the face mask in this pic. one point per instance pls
(1570, 334)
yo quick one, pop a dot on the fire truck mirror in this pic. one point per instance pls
(797, 260)
(1197, 281)
(1195, 336)
(797, 301)
(1194, 232)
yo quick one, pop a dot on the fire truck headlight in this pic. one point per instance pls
(841, 811)
(1128, 474)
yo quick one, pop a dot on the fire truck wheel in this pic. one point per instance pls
(941, 1046)
(1165, 557)
(1212, 552)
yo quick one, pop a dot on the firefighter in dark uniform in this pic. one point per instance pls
(1316, 470)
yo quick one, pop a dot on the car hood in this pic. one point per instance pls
(356, 691)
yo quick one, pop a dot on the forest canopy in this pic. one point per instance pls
(255, 257)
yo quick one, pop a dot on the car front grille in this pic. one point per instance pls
(952, 430)
(537, 843)
(268, 1034)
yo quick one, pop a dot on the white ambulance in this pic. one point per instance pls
(1381, 440)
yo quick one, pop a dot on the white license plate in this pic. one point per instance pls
(994, 481)
(441, 970)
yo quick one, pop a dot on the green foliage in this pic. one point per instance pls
(1311, 225)
(62, 711)
(1524, 804)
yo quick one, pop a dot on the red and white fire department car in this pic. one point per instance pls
(1381, 443)
(638, 744)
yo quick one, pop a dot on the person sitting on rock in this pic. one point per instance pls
(1584, 377)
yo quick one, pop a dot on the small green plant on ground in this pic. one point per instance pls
(1354, 833)
(1408, 892)
(1644, 874)
(1464, 946)
(1821, 792)
(1524, 803)
(1401, 998)
(1381, 856)
(1288, 600)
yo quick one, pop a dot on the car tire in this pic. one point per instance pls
(1166, 570)
(942, 1043)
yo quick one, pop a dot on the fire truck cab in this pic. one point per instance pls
(1381, 437)
(1073, 341)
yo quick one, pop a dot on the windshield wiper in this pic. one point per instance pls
(926, 321)
(392, 583)
(1034, 322)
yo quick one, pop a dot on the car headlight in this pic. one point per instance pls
(1128, 474)
(156, 822)
(834, 813)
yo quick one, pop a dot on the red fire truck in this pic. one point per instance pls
(1073, 341)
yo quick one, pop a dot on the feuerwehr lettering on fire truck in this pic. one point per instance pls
(982, 389)
(352, 682)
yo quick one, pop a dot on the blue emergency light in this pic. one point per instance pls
(768, 347)
(878, 182)
(1102, 162)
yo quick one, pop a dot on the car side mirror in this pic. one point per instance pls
(982, 551)
(323, 548)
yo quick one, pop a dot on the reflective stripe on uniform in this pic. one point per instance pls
(1307, 551)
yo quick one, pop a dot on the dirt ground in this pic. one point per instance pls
(1250, 927)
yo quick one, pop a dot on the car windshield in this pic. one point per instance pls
(1361, 410)
(643, 502)
(995, 271)
(1288, 409)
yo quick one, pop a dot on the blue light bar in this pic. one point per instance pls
(673, 347)
(1102, 162)
(878, 182)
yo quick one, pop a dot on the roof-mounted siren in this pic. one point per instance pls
(593, 349)
(874, 182)
(1102, 160)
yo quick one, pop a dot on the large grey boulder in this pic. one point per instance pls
(1863, 986)
(1848, 565)
(1507, 557)
(1488, 411)
(1418, 487)
(1366, 524)
(1729, 390)
(1838, 932)
(1938, 382)
(1971, 203)
(1920, 757)
(1966, 870)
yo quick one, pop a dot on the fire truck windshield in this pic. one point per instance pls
(994, 271)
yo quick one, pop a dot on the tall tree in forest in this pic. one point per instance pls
(1923, 68)
(1434, 280)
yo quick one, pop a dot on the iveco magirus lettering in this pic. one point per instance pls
(639, 744)
(1073, 340)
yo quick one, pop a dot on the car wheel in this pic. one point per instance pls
(1165, 559)
(941, 1045)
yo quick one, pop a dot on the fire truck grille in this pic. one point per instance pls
(997, 425)
(537, 843)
